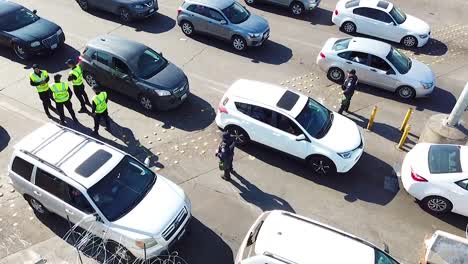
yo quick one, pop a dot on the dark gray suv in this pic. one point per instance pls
(126, 9)
(134, 70)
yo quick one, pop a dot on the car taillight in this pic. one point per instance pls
(179, 10)
(222, 109)
(417, 177)
(336, 12)
(80, 59)
(322, 55)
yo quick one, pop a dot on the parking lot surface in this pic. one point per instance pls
(367, 202)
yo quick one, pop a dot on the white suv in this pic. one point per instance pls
(101, 189)
(279, 237)
(292, 123)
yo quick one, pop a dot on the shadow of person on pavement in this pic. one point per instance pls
(252, 194)
(4, 138)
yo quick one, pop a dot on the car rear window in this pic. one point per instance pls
(93, 163)
(352, 3)
(444, 159)
(341, 44)
(288, 100)
(22, 168)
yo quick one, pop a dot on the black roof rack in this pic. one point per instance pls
(44, 162)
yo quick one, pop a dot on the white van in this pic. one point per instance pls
(101, 189)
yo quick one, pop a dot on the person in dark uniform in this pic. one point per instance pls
(226, 154)
(348, 88)
(99, 109)
(62, 94)
(76, 77)
(40, 79)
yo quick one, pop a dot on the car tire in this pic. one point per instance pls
(124, 15)
(239, 43)
(437, 204)
(187, 28)
(145, 102)
(335, 74)
(37, 206)
(349, 27)
(20, 51)
(297, 8)
(409, 41)
(250, 2)
(84, 5)
(321, 165)
(239, 135)
(90, 79)
(118, 253)
(406, 92)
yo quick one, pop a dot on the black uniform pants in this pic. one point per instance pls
(46, 101)
(228, 167)
(61, 113)
(345, 103)
(81, 95)
(97, 120)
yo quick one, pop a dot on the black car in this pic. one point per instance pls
(125, 9)
(26, 33)
(134, 70)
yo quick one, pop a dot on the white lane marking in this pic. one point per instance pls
(216, 83)
(308, 44)
(14, 109)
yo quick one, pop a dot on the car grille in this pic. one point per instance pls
(48, 42)
(181, 90)
(149, 3)
(175, 225)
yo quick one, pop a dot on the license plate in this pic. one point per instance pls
(183, 97)
(54, 46)
(151, 10)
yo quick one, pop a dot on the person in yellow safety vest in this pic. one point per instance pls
(40, 79)
(99, 109)
(76, 77)
(62, 94)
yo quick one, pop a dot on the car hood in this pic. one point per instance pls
(343, 135)
(170, 78)
(254, 24)
(420, 72)
(38, 30)
(154, 213)
(416, 25)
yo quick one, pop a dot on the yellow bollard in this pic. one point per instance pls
(372, 117)
(404, 136)
(406, 119)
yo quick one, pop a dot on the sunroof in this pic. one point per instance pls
(382, 4)
(93, 163)
(288, 100)
(352, 3)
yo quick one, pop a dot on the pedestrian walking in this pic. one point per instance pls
(348, 88)
(225, 154)
(40, 79)
(99, 109)
(76, 77)
(62, 94)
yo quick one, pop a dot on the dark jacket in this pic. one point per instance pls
(226, 150)
(349, 86)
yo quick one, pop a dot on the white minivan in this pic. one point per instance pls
(101, 189)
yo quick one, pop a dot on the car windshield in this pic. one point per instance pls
(341, 44)
(382, 258)
(444, 159)
(399, 60)
(122, 189)
(315, 119)
(236, 13)
(17, 19)
(398, 15)
(149, 64)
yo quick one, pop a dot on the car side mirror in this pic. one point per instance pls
(301, 137)
(90, 218)
(223, 22)
(160, 54)
(390, 72)
(34, 11)
(386, 249)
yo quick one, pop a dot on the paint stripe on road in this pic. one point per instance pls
(213, 82)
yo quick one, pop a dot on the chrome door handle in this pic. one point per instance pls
(374, 70)
(37, 193)
(349, 62)
(68, 211)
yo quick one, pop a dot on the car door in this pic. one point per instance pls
(365, 20)
(216, 24)
(358, 61)
(459, 196)
(198, 16)
(285, 132)
(49, 191)
(121, 78)
(106, 5)
(256, 122)
(5, 39)
(101, 63)
(384, 26)
(383, 75)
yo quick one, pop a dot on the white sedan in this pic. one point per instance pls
(381, 19)
(437, 175)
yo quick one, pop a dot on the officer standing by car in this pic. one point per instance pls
(40, 79)
(348, 88)
(225, 154)
(99, 109)
(76, 77)
(62, 94)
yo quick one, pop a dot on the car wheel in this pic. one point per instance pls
(437, 204)
(239, 43)
(297, 8)
(250, 2)
(409, 42)
(349, 27)
(124, 14)
(90, 79)
(239, 135)
(335, 74)
(406, 92)
(187, 28)
(37, 206)
(20, 51)
(321, 165)
(145, 102)
(118, 253)
(83, 4)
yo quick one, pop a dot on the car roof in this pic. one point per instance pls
(376, 4)
(302, 241)
(370, 46)
(220, 4)
(7, 6)
(267, 94)
(64, 150)
(126, 49)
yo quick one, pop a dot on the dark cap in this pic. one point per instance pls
(35, 66)
(70, 61)
(353, 71)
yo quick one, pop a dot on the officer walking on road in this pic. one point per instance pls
(76, 77)
(348, 87)
(226, 155)
(99, 109)
(40, 79)
(62, 95)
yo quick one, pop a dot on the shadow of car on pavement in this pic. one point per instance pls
(4, 138)
(318, 16)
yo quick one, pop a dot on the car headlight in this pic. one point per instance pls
(426, 85)
(35, 44)
(346, 155)
(138, 6)
(188, 203)
(162, 92)
(59, 32)
(423, 36)
(146, 243)
(254, 35)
